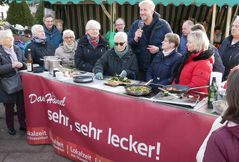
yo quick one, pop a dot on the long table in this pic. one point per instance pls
(95, 122)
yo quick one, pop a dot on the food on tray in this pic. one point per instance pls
(120, 79)
(70, 72)
(117, 80)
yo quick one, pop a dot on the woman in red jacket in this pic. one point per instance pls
(196, 66)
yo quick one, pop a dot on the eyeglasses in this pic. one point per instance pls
(119, 43)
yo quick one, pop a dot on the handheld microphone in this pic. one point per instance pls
(141, 24)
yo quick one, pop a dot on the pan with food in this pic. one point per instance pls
(138, 89)
(178, 88)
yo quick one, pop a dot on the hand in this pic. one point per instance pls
(17, 65)
(99, 76)
(153, 49)
(123, 74)
(138, 34)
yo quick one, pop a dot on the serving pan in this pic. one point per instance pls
(178, 88)
(138, 90)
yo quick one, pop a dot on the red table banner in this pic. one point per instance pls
(87, 124)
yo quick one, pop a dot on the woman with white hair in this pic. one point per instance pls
(90, 47)
(196, 66)
(11, 61)
(118, 60)
(66, 51)
(39, 46)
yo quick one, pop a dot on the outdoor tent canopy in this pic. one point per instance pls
(164, 2)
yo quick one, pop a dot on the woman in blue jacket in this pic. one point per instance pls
(164, 63)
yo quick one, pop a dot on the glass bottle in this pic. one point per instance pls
(29, 61)
(212, 93)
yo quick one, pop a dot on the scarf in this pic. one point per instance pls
(12, 54)
(38, 40)
(121, 53)
(93, 41)
(69, 48)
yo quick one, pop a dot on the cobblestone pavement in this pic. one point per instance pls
(16, 149)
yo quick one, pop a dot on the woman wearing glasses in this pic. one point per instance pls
(118, 60)
(164, 63)
(66, 51)
(90, 47)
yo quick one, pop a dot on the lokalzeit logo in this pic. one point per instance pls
(49, 98)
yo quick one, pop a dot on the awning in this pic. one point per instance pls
(164, 2)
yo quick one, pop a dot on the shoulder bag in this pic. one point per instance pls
(11, 84)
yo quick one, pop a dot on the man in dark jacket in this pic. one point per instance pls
(118, 60)
(53, 35)
(146, 35)
(229, 49)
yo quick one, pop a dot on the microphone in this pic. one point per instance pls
(141, 24)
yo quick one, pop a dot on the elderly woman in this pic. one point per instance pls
(11, 60)
(197, 63)
(165, 62)
(118, 60)
(39, 46)
(90, 47)
(66, 51)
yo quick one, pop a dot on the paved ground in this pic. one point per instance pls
(16, 149)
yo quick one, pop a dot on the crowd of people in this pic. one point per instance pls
(148, 50)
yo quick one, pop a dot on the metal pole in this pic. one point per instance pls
(214, 7)
(229, 16)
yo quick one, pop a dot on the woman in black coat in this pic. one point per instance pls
(90, 47)
(39, 45)
(119, 60)
(11, 60)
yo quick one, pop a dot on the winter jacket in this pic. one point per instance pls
(66, 55)
(197, 70)
(183, 45)
(86, 55)
(218, 65)
(163, 67)
(111, 64)
(6, 70)
(53, 36)
(39, 50)
(223, 145)
(229, 54)
(153, 34)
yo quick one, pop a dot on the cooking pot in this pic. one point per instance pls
(53, 64)
(47, 59)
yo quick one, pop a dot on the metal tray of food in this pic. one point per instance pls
(183, 100)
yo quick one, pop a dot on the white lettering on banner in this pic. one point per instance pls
(58, 117)
(132, 145)
(89, 130)
(79, 154)
(36, 134)
(49, 98)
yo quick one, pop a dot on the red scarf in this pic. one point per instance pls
(94, 41)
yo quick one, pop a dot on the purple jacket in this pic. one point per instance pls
(223, 145)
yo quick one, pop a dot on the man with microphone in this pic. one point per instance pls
(146, 35)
